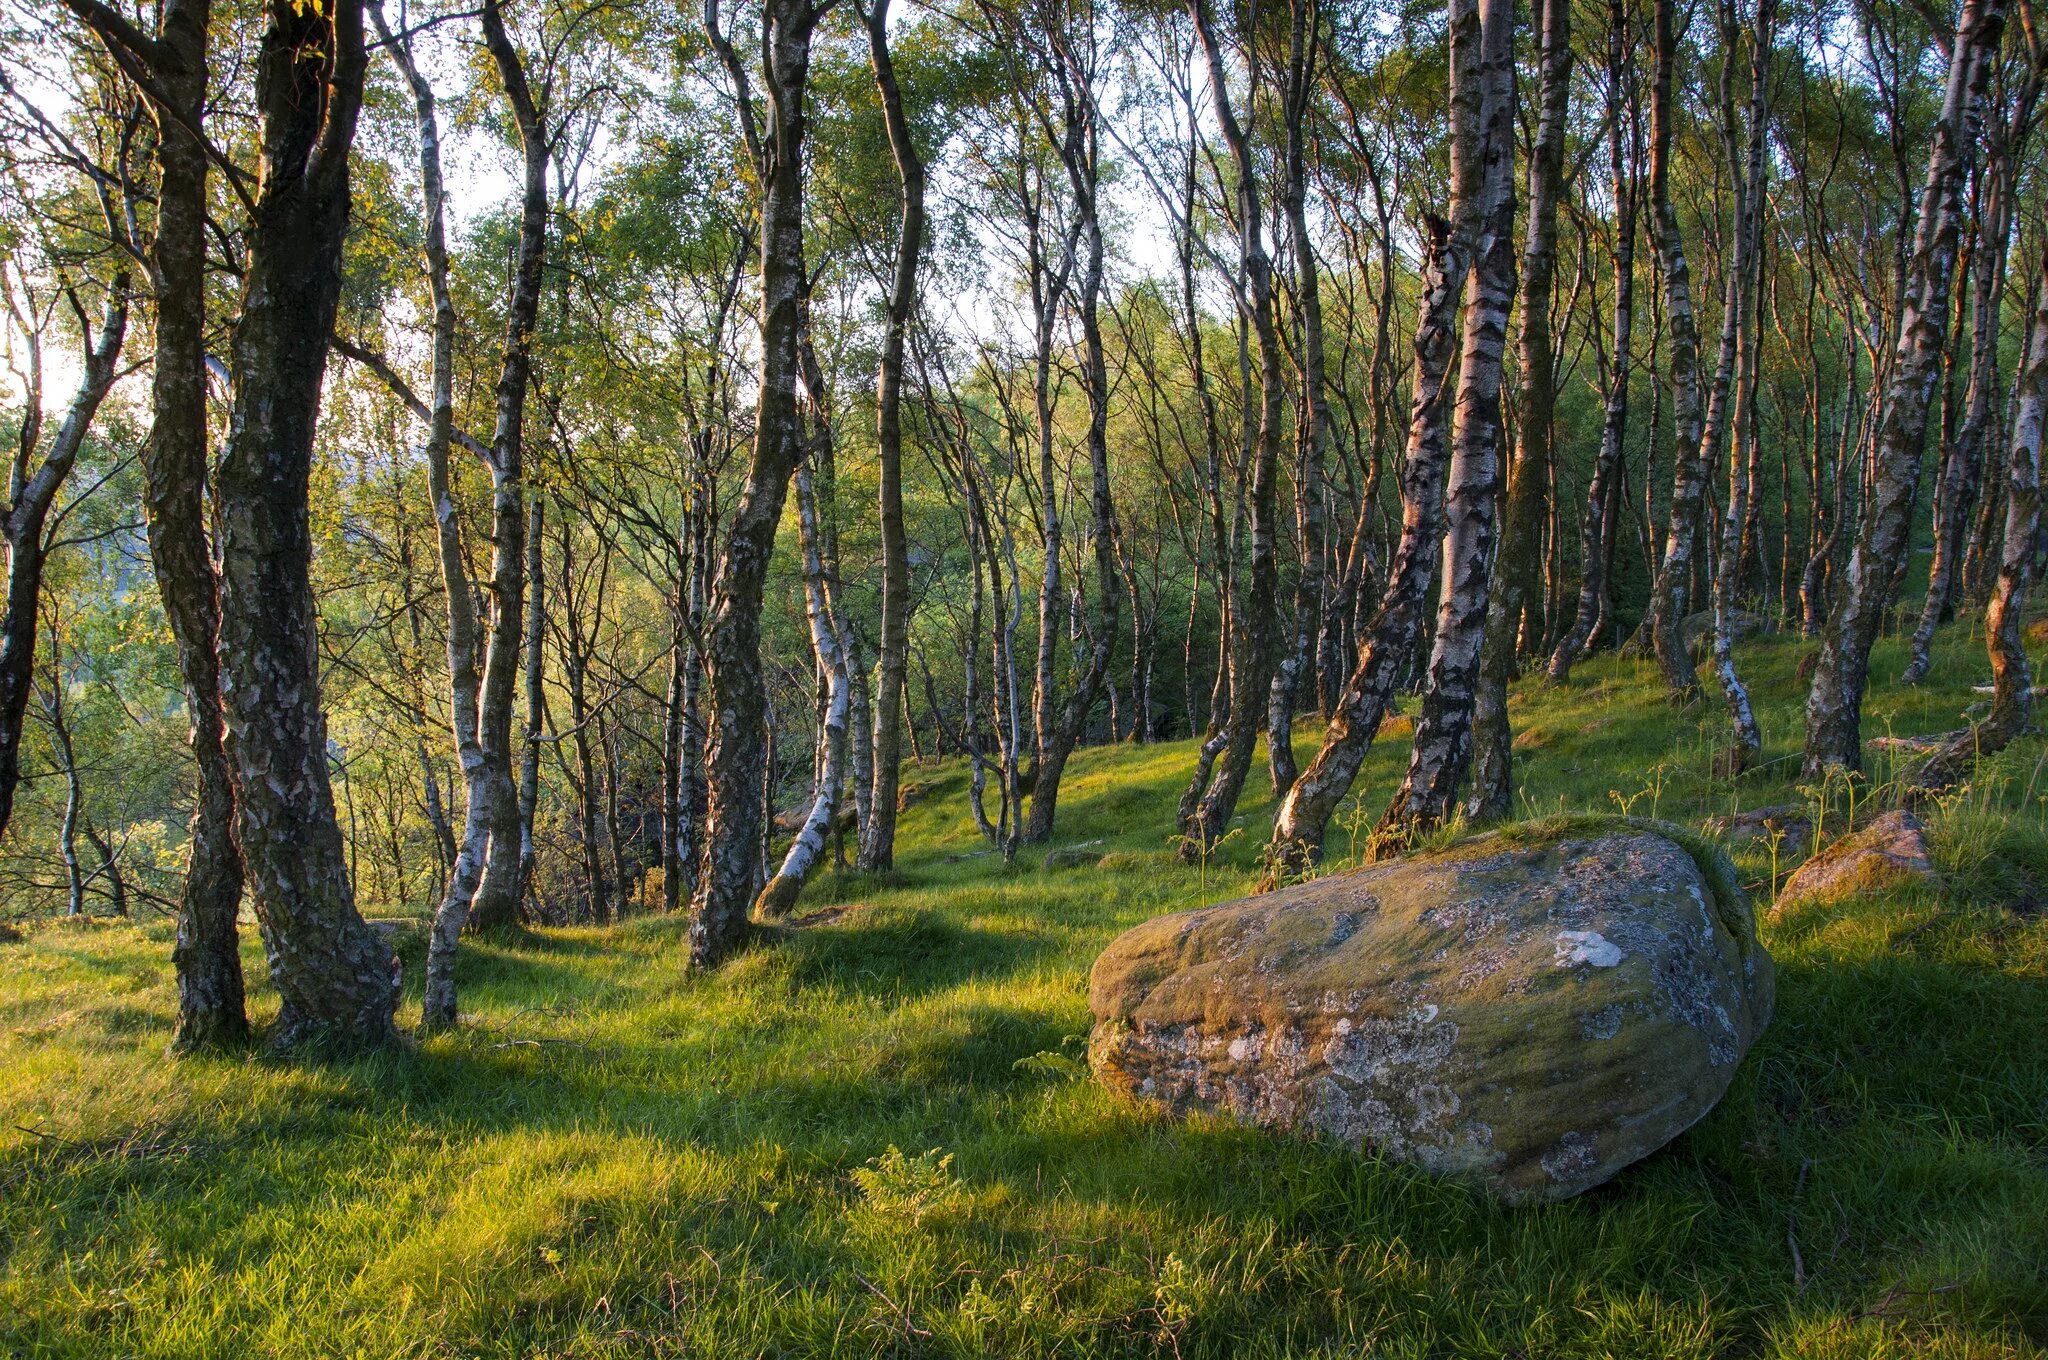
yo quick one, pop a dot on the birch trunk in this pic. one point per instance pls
(1252, 636)
(1834, 706)
(737, 739)
(1962, 469)
(1671, 588)
(1739, 347)
(1518, 572)
(1598, 526)
(1388, 645)
(333, 973)
(1312, 422)
(1443, 733)
(878, 829)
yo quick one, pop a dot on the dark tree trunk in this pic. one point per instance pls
(1599, 525)
(1312, 421)
(333, 973)
(1075, 74)
(1673, 584)
(206, 956)
(1443, 733)
(735, 755)
(878, 833)
(1518, 572)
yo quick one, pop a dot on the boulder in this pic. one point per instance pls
(1529, 1011)
(1792, 821)
(1888, 851)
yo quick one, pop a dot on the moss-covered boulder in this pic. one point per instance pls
(1889, 852)
(1530, 1010)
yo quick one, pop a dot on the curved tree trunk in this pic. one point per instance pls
(1442, 753)
(878, 830)
(333, 973)
(2012, 681)
(1599, 526)
(1739, 345)
(1312, 420)
(1672, 587)
(1252, 637)
(735, 749)
(1834, 706)
(1518, 572)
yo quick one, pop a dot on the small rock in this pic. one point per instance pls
(1912, 746)
(1072, 856)
(1790, 820)
(1529, 1011)
(1697, 632)
(1891, 850)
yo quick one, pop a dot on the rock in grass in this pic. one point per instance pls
(1697, 631)
(1793, 822)
(1891, 850)
(1530, 1010)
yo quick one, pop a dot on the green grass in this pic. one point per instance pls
(871, 1135)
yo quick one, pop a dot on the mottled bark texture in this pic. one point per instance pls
(1253, 613)
(1515, 610)
(737, 698)
(878, 832)
(2012, 681)
(1596, 527)
(1834, 706)
(1673, 583)
(333, 973)
(1442, 753)
(1389, 644)
(1736, 375)
(206, 956)
(1296, 667)
(482, 706)
(1072, 66)
(1963, 467)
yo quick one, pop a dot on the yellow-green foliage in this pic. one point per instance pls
(859, 1139)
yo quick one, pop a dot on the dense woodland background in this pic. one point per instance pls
(587, 459)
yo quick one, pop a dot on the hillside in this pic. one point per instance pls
(870, 1135)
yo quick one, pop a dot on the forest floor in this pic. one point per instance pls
(873, 1135)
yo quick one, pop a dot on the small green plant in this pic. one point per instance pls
(911, 1187)
(1067, 1063)
(1203, 849)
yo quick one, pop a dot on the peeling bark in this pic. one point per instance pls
(1442, 752)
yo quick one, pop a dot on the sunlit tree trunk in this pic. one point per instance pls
(878, 832)
(1518, 572)
(1442, 752)
(1672, 586)
(735, 754)
(1254, 623)
(1834, 706)
(333, 973)
(1389, 644)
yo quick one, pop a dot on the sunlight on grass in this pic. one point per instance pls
(871, 1136)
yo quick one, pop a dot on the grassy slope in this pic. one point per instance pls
(616, 1159)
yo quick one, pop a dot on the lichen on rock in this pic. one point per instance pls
(1530, 1010)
